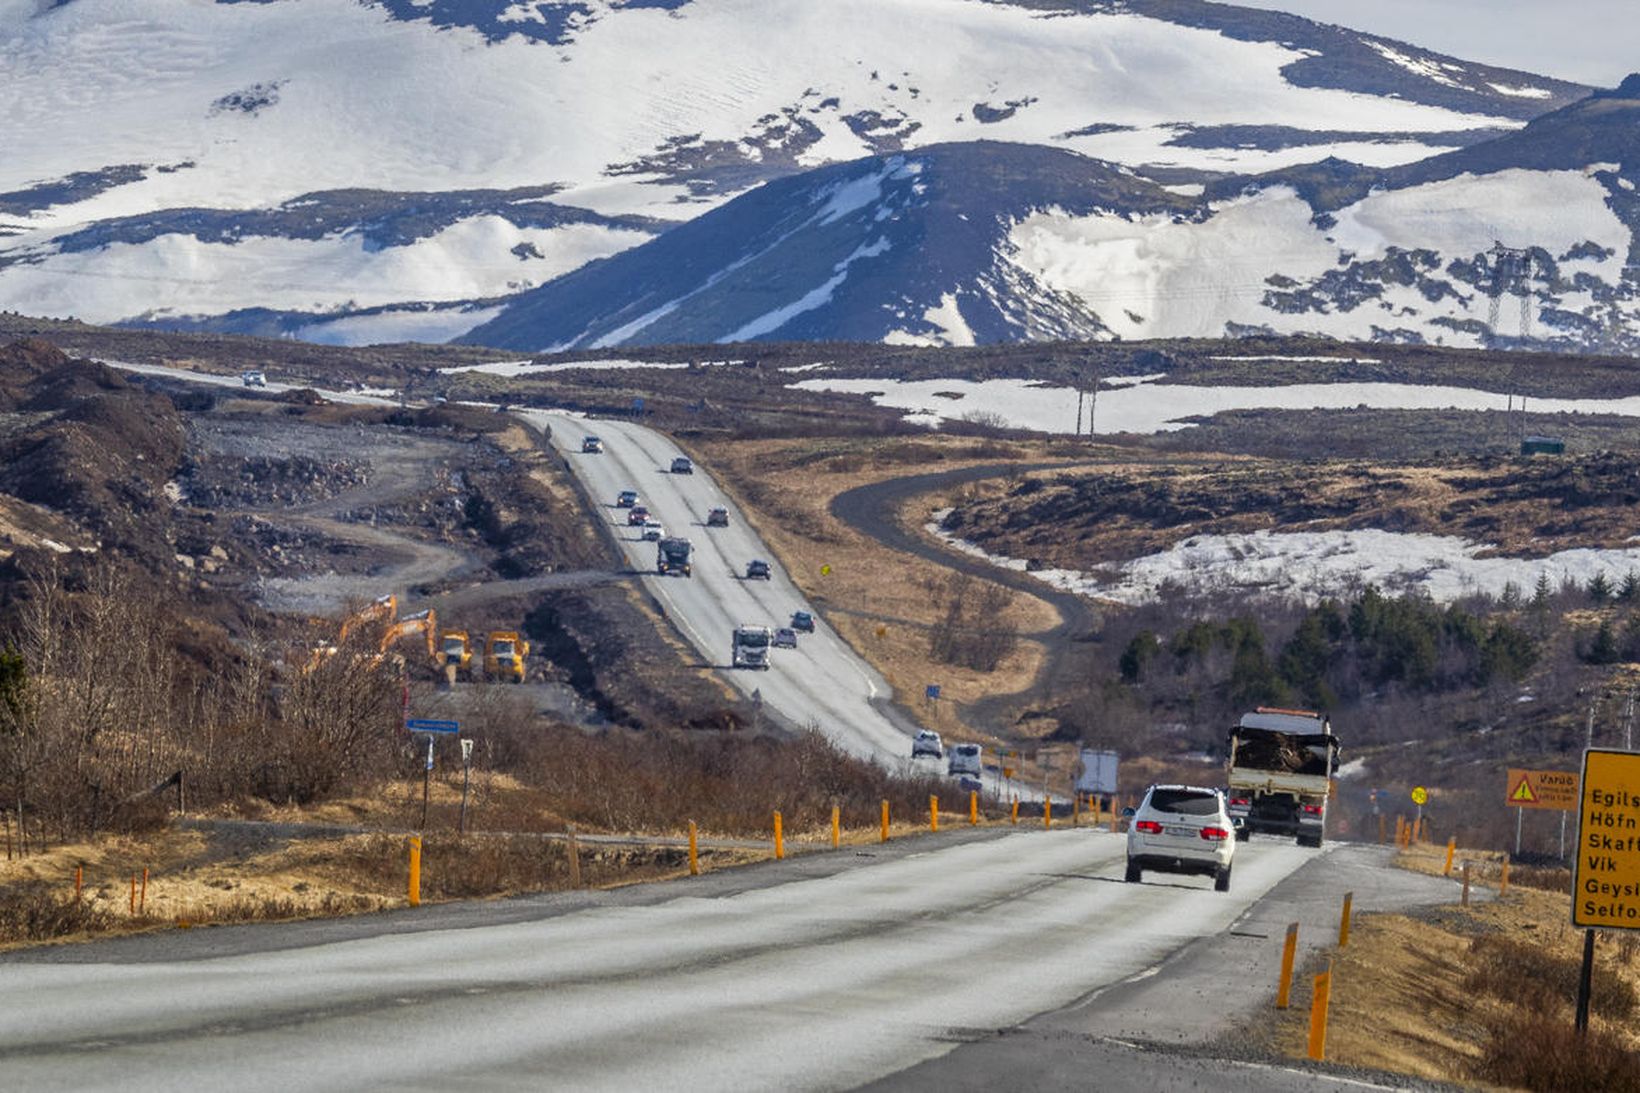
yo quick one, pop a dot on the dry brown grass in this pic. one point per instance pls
(879, 600)
(1468, 995)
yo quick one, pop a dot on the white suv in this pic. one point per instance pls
(1182, 829)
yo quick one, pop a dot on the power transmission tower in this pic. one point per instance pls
(1512, 269)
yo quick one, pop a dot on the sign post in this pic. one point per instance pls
(466, 770)
(1606, 871)
(1420, 796)
(431, 729)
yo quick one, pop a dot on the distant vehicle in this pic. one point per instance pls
(717, 518)
(758, 570)
(672, 556)
(455, 653)
(653, 531)
(802, 620)
(927, 742)
(682, 465)
(637, 515)
(504, 655)
(1281, 767)
(626, 499)
(965, 759)
(751, 647)
(592, 444)
(785, 638)
(1182, 829)
(253, 379)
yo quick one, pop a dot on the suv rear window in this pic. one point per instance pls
(1185, 802)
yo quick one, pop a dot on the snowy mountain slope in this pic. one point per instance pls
(125, 112)
(989, 242)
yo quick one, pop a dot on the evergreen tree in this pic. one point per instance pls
(1603, 650)
(1139, 652)
(1629, 589)
(1599, 588)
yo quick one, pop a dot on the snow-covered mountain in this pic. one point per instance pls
(364, 170)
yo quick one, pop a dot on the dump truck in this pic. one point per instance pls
(1280, 774)
(672, 556)
(751, 647)
(504, 655)
(455, 654)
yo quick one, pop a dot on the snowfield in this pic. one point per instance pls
(242, 106)
(1309, 566)
(1167, 277)
(1146, 407)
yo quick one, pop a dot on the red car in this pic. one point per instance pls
(637, 514)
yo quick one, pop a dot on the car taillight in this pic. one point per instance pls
(1213, 834)
(1312, 810)
(1148, 827)
(1242, 801)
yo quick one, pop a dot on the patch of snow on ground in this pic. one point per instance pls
(954, 329)
(1519, 92)
(525, 368)
(1311, 565)
(818, 296)
(1146, 408)
(432, 325)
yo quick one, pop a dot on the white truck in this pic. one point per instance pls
(751, 647)
(1280, 776)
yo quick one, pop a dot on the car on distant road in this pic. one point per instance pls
(965, 760)
(253, 379)
(626, 499)
(802, 620)
(927, 742)
(758, 570)
(653, 530)
(682, 465)
(592, 444)
(1182, 829)
(717, 518)
(637, 515)
(785, 638)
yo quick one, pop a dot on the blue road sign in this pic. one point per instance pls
(433, 726)
(932, 691)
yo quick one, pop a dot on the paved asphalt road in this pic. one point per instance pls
(971, 960)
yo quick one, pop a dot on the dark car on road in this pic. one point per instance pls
(785, 638)
(758, 570)
(802, 620)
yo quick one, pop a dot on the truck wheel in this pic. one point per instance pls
(1134, 873)
(1221, 880)
(1243, 834)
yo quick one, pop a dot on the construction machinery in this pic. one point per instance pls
(382, 609)
(504, 655)
(424, 623)
(455, 654)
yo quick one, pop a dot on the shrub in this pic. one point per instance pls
(1541, 1052)
(1502, 964)
(38, 911)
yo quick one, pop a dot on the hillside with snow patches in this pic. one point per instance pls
(918, 170)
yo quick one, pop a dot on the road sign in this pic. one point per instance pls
(1556, 789)
(466, 751)
(1606, 875)
(1098, 771)
(433, 726)
(825, 571)
(1420, 796)
(932, 691)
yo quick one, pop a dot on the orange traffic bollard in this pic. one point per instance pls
(1288, 951)
(694, 850)
(779, 838)
(1318, 1015)
(885, 821)
(933, 813)
(836, 827)
(973, 806)
(415, 871)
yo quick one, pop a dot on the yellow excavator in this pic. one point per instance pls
(381, 609)
(504, 655)
(424, 623)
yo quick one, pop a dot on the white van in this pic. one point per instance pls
(253, 379)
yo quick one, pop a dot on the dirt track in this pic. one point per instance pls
(873, 510)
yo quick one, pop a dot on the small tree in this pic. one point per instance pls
(1139, 652)
(1599, 588)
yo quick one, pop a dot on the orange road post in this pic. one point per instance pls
(79, 880)
(836, 827)
(1047, 811)
(133, 893)
(1344, 921)
(694, 850)
(1318, 1014)
(933, 812)
(973, 807)
(1289, 950)
(779, 838)
(415, 871)
(142, 896)
(885, 821)
(1015, 817)
(1451, 848)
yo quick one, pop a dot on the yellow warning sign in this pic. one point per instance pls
(1554, 789)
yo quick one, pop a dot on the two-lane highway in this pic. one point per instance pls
(826, 975)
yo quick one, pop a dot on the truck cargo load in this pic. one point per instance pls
(1280, 774)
